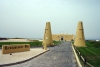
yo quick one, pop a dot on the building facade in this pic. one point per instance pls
(64, 37)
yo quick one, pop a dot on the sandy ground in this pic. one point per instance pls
(20, 56)
(17, 40)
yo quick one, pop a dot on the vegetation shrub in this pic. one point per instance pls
(56, 42)
(92, 42)
(97, 45)
(32, 44)
(35, 40)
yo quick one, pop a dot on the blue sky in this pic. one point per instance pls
(27, 18)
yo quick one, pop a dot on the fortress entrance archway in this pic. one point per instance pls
(62, 38)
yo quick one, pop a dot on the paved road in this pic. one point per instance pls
(58, 56)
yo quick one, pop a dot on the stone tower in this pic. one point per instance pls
(80, 38)
(48, 35)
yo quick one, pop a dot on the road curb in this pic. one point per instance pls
(2, 65)
(77, 59)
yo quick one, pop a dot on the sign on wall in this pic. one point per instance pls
(15, 48)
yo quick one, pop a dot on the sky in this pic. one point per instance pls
(27, 18)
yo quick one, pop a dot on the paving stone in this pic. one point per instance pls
(58, 56)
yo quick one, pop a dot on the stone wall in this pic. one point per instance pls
(66, 37)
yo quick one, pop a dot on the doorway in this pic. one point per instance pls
(62, 38)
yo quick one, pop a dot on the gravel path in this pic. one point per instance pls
(58, 56)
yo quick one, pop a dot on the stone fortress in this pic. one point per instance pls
(64, 37)
(79, 39)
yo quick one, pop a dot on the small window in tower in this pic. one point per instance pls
(81, 23)
(46, 29)
(80, 38)
(80, 29)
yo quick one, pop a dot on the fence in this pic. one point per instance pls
(82, 59)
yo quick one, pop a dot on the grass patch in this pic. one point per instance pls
(31, 43)
(56, 42)
(91, 53)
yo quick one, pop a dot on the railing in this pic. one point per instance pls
(82, 59)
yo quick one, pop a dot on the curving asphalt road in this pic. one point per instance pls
(58, 56)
